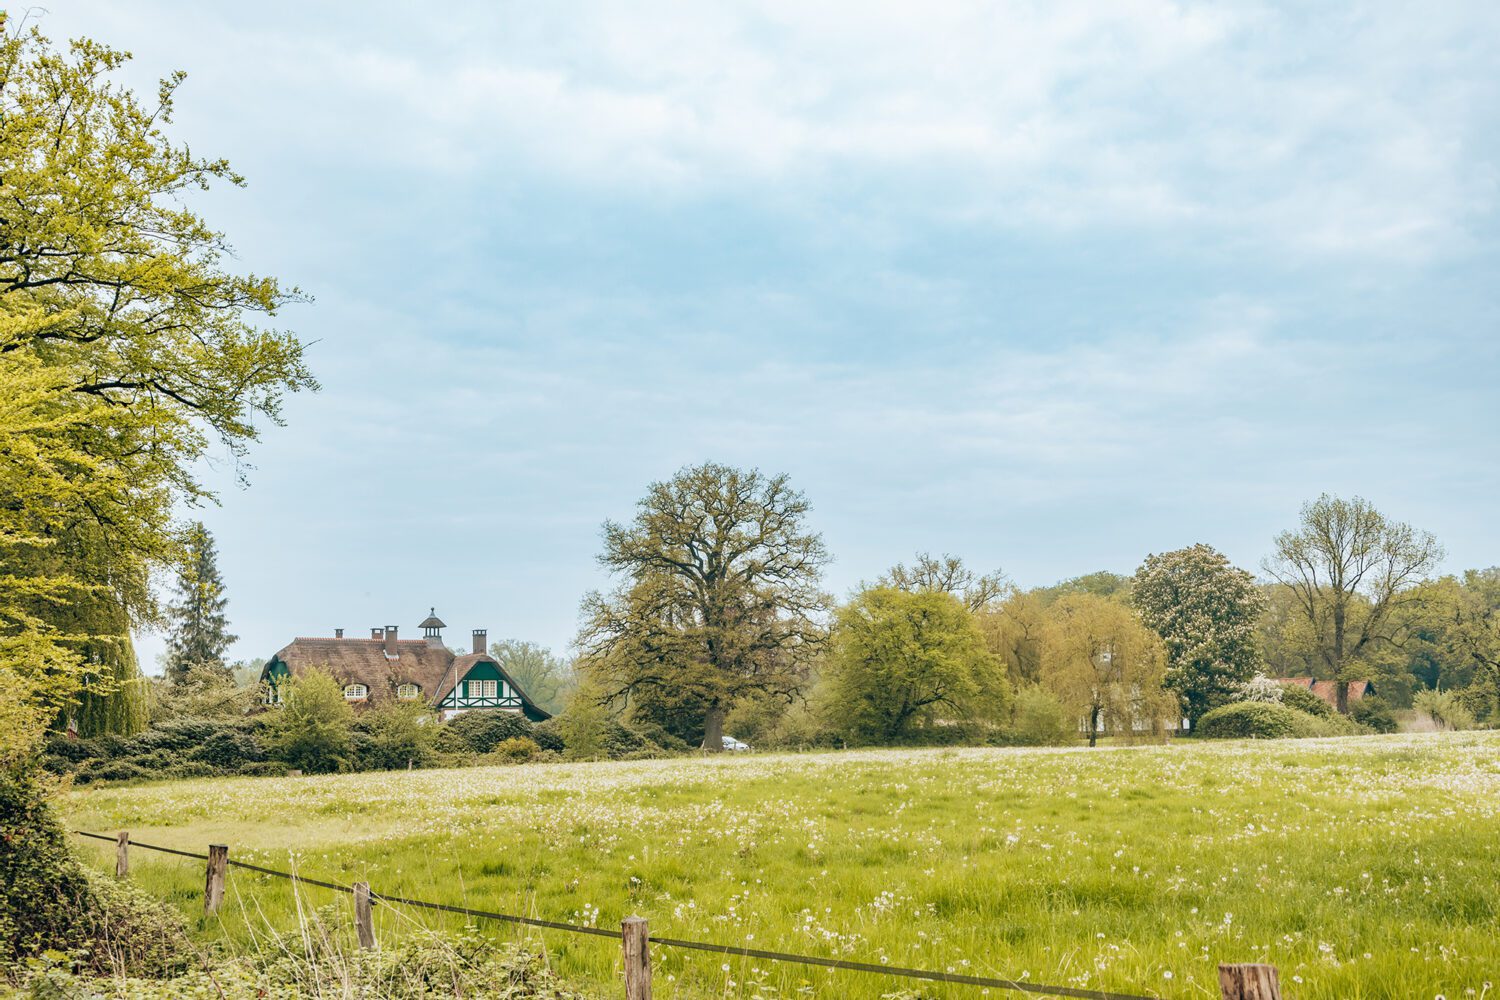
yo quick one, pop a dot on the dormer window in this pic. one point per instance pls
(356, 692)
(408, 692)
(483, 689)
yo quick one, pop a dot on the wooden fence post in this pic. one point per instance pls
(637, 958)
(122, 854)
(364, 925)
(1249, 982)
(213, 889)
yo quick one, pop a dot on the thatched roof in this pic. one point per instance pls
(364, 661)
(1328, 690)
(434, 669)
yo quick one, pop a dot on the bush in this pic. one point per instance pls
(1444, 708)
(53, 903)
(548, 736)
(312, 730)
(517, 749)
(482, 731)
(115, 770)
(1373, 713)
(395, 736)
(229, 747)
(1039, 719)
(1298, 697)
(1258, 720)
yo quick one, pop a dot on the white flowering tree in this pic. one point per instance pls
(1205, 609)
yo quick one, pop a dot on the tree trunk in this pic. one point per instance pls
(1341, 689)
(713, 730)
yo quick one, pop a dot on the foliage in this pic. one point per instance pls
(948, 575)
(1298, 697)
(1371, 711)
(1039, 718)
(904, 662)
(320, 963)
(1444, 708)
(312, 729)
(1105, 666)
(1013, 630)
(518, 749)
(1261, 688)
(1101, 583)
(396, 735)
(1354, 575)
(1205, 610)
(546, 679)
(52, 903)
(1252, 720)
(198, 631)
(205, 692)
(124, 348)
(481, 732)
(719, 594)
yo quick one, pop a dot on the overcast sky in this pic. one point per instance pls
(1047, 286)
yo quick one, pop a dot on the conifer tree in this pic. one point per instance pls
(199, 635)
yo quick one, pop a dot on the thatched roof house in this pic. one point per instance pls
(385, 668)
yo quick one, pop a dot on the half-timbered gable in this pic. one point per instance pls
(386, 668)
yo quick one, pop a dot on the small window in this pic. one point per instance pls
(408, 692)
(356, 692)
(483, 689)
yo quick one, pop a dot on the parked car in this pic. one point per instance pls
(730, 743)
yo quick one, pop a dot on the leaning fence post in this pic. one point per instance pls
(122, 854)
(637, 958)
(364, 926)
(1249, 982)
(213, 890)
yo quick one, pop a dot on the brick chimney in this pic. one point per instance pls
(480, 637)
(391, 652)
(338, 633)
(377, 633)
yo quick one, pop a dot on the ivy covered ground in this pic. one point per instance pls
(1363, 866)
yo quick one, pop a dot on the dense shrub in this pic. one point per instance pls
(1298, 697)
(548, 736)
(115, 770)
(1372, 713)
(394, 736)
(229, 747)
(1039, 719)
(1251, 720)
(53, 903)
(517, 750)
(481, 732)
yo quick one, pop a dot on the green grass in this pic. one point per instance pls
(1362, 867)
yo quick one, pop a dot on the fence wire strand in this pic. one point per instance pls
(1015, 985)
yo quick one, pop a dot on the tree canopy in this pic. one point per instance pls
(127, 348)
(719, 593)
(1205, 610)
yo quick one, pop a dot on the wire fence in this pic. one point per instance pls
(1015, 985)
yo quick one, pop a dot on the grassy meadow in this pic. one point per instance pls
(1363, 867)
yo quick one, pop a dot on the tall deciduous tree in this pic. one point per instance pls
(1205, 610)
(125, 348)
(904, 659)
(198, 633)
(1104, 665)
(1354, 574)
(719, 595)
(948, 575)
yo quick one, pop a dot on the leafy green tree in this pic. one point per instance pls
(1101, 583)
(1013, 628)
(1355, 578)
(1105, 665)
(126, 347)
(1205, 611)
(907, 660)
(719, 596)
(948, 575)
(198, 631)
(546, 678)
(312, 729)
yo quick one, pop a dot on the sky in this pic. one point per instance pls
(1046, 286)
